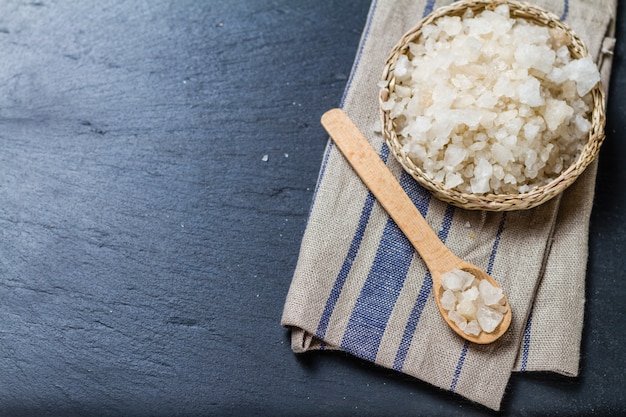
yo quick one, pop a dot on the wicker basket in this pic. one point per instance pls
(493, 202)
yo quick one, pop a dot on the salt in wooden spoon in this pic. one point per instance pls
(388, 192)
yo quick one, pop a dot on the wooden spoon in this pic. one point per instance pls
(388, 192)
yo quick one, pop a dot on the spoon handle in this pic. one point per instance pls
(388, 192)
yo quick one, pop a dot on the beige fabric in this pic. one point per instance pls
(359, 287)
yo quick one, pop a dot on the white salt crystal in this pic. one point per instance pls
(529, 92)
(531, 33)
(556, 112)
(421, 124)
(533, 56)
(482, 174)
(486, 120)
(430, 31)
(457, 319)
(443, 60)
(582, 124)
(454, 155)
(478, 27)
(557, 75)
(439, 141)
(453, 179)
(466, 308)
(451, 25)
(468, 278)
(501, 154)
(402, 91)
(462, 82)
(443, 96)
(486, 100)
(525, 111)
(498, 172)
(503, 10)
(469, 118)
(544, 155)
(470, 294)
(506, 116)
(464, 100)
(499, 22)
(584, 72)
(479, 185)
(448, 300)
(509, 179)
(562, 54)
(402, 70)
(488, 318)
(490, 294)
(530, 157)
(530, 131)
(503, 87)
(451, 281)
(456, 280)
(472, 328)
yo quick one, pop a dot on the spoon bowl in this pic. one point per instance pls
(388, 192)
(483, 337)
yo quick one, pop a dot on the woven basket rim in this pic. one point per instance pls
(495, 202)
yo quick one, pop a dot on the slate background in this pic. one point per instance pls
(146, 247)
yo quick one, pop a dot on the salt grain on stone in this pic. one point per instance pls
(475, 95)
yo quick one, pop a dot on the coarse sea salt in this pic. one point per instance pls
(490, 103)
(474, 305)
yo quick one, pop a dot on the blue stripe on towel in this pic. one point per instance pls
(368, 320)
(430, 5)
(345, 267)
(496, 243)
(459, 366)
(422, 297)
(353, 250)
(526, 342)
(492, 257)
(565, 10)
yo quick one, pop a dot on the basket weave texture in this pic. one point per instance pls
(495, 202)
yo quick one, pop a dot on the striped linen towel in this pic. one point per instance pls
(360, 287)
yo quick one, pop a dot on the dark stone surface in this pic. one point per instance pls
(146, 248)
